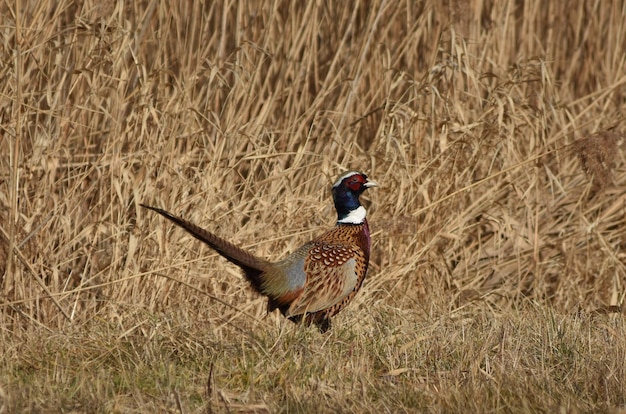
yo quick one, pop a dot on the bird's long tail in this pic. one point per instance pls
(252, 266)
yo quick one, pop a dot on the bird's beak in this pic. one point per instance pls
(370, 183)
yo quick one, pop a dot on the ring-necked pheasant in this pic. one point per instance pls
(321, 277)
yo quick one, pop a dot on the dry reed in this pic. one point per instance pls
(495, 129)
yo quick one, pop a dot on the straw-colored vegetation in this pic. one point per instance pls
(498, 261)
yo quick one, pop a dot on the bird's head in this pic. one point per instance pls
(346, 192)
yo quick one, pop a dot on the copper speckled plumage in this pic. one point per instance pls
(317, 280)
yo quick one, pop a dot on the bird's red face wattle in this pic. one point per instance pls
(355, 182)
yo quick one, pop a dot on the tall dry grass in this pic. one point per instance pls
(495, 129)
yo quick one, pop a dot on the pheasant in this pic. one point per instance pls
(316, 281)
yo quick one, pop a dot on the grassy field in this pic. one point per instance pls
(498, 266)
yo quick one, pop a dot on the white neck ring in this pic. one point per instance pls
(356, 216)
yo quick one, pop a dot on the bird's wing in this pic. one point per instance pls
(331, 275)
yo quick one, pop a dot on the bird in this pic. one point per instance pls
(317, 280)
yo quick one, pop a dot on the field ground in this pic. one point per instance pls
(496, 131)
